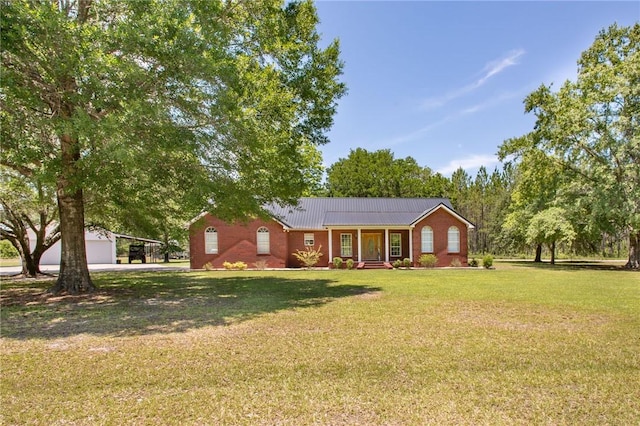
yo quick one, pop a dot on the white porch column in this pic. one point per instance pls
(359, 245)
(386, 244)
(411, 244)
(330, 245)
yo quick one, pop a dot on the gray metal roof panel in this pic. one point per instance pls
(316, 213)
(368, 218)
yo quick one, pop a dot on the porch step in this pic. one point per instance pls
(374, 265)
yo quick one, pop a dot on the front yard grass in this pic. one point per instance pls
(515, 345)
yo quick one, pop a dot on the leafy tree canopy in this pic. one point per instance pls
(380, 174)
(590, 128)
(222, 102)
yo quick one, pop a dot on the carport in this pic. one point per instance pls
(151, 247)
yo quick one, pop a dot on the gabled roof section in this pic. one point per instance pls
(449, 210)
(320, 213)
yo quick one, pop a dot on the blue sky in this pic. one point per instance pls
(444, 82)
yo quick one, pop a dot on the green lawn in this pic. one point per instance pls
(516, 345)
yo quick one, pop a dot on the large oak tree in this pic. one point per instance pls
(220, 100)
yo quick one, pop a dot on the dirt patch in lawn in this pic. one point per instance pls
(522, 318)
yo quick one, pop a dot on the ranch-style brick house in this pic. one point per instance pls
(368, 230)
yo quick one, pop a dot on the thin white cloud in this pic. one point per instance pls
(469, 163)
(419, 133)
(416, 134)
(496, 100)
(492, 68)
(497, 66)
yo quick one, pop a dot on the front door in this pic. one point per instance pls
(371, 246)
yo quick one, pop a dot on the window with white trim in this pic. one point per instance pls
(263, 240)
(396, 244)
(427, 239)
(346, 246)
(211, 240)
(309, 239)
(453, 240)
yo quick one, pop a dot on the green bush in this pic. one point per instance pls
(7, 250)
(487, 261)
(406, 262)
(428, 260)
(473, 262)
(350, 263)
(397, 264)
(337, 262)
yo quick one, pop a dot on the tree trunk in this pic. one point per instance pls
(553, 253)
(74, 273)
(634, 251)
(538, 258)
(29, 267)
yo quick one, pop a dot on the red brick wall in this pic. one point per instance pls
(296, 242)
(237, 242)
(440, 221)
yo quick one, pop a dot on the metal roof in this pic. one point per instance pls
(318, 213)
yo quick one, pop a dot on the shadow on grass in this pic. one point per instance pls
(573, 265)
(129, 304)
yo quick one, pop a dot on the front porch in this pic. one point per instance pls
(370, 245)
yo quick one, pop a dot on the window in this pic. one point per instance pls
(453, 238)
(396, 244)
(309, 240)
(211, 241)
(427, 240)
(346, 247)
(263, 240)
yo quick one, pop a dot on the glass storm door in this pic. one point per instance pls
(372, 247)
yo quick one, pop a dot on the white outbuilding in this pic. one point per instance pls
(101, 248)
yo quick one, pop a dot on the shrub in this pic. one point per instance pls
(428, 260)
(239, 265)
(397, 264)
(473, 262)
(487, 261)
(337, 262)
(350, 263)
(7, 250)
(456, 263)
(406, 262)
(208, 266)
(309, 257)
(260, 265)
